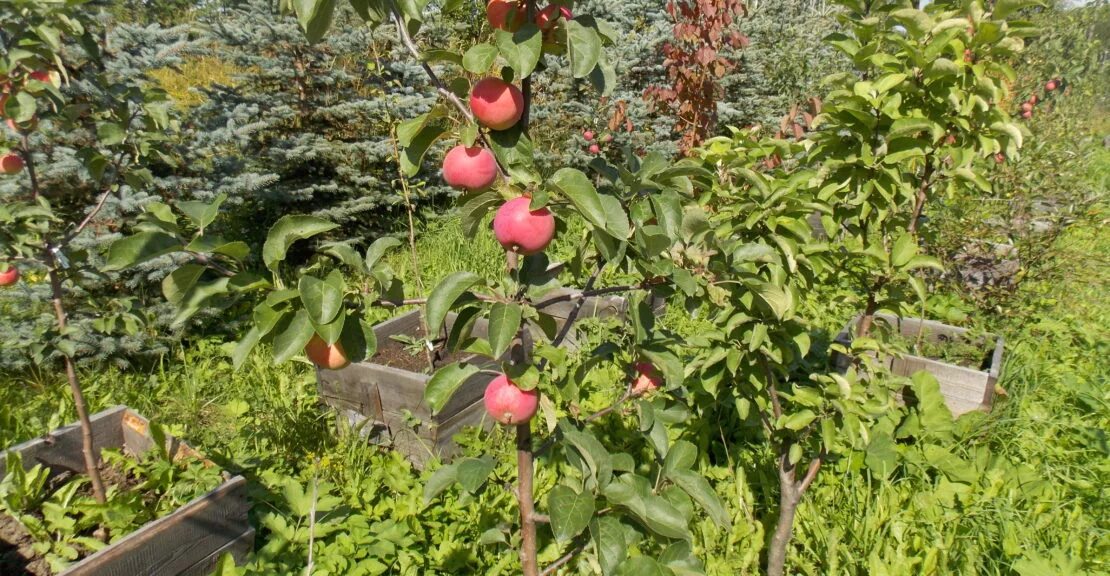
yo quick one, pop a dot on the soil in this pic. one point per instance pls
(17, 558)
(959, 351)
(402, 356)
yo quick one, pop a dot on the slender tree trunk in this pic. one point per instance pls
(784, 529)
(529, 565)
(868, 317)
(87, 449)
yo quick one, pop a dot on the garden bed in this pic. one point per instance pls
(384, 397)
(187, 541)
(966, 366)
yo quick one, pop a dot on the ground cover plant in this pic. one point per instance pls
(714, 437)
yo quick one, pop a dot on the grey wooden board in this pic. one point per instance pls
(177, 544)
(418, 444)
(238, 548)
(60, 450)
(964, 389)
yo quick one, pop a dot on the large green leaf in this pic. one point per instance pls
(504, 322)
(288, 230)
(576, 187)
(905, 247)
(323, 299)
(439, 481)
(444, 296)
(521, 49)
(583, 48)
(315, 17)
(473, 472)
(445, 382)
(478, 58)
(293, 338)
(180, 281)
(610, 545)
(570, 512)
(202, 213)
(699, 489)
(139, 248)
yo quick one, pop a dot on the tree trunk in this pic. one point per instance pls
(789, 496)
(92, 459)
(868, 317)
(529, 565)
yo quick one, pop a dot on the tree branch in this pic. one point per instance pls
(811, 473)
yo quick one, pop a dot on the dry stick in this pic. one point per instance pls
(412, 248)
(57, 293)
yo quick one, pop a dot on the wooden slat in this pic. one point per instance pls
(61, 450)
(172, 545)
(238, 548)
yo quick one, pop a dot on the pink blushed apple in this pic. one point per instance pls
(647, 379)
(472, 168)
(523, 230)
(496, 104)
(9, 276)
(11, 163)
(324, 355)
(508, 404)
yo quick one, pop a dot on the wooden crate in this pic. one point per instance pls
(387, 404)
(592, 307)
(964, 389)
(187, 542)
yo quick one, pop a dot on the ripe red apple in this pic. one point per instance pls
(588, 135)
(969, 56)
(508, 404)
(1050, 86)
(11, 163)
(471, 168)
(1033, 99)
(11, 276)
(549, 16)
(324, 355)
(595, 149)
(1027, 114)
(647, 379)
(46, 77)
(1026, 106)
(496, 103)
(522, 230)
(999, 158)
(505, 14)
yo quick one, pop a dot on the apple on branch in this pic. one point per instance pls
(522, 230)
(324, 355)
(472, 168)
(508, 404)
(9, 276)
(496, 104)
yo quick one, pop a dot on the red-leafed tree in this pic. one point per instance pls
(706, 39)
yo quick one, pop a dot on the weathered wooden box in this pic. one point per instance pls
(964, 389)
(592, 307)
(187, 542)
(387, 403)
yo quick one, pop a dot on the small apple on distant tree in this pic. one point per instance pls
(508, 404)
(999, 158)
(505, 14)
(522, 230)
(324, 355)
(1027, 114)
(11, 163)
(496, 103)
(588, 135)
(472, 168)
(1026, 106)
(595, 149)
(1050, 86)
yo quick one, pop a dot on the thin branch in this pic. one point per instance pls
(551, 568)
(587, 293)
(811, 473)
(99, 205)
(30, 162)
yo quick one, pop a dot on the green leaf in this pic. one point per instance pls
(180, 282)
(643, 566)
(882, 455)
(664, 519)
(439, 481)
(288, 230)
(778, 299)
(969, 175)
(799, 420)
(378, 249)
(583, 48)
(576, 187)
(110, 133)
(444, 296)
(315, 17)
(358, 339)
(916, 22)
(195, 298)
(607, 535)
(570, 512)
(293, 338)
(445, 382)
(414, 152)
(521, 49)
(905, 247)
(473, 472)
(681, 456)
(699, 489)
(323, 299)
(504, 322)
(139, 248)
(202, 213)
(479, 57)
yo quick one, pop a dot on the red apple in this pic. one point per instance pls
(647, 379)
(505, 14)
(595, 149)
(549, 16)
(1033, 99)
(999, 158)
(324, 355)
(1027, 114)
(471, 168)
(1026, 106)
(1050, 86)
(46, 77)
(588, 135)
(9, 277)
(522, 230)
(11, 163)
(496, 103)
(508, 404)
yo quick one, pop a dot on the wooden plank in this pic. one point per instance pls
(61, 449)
(238, 548)
(173, 544)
